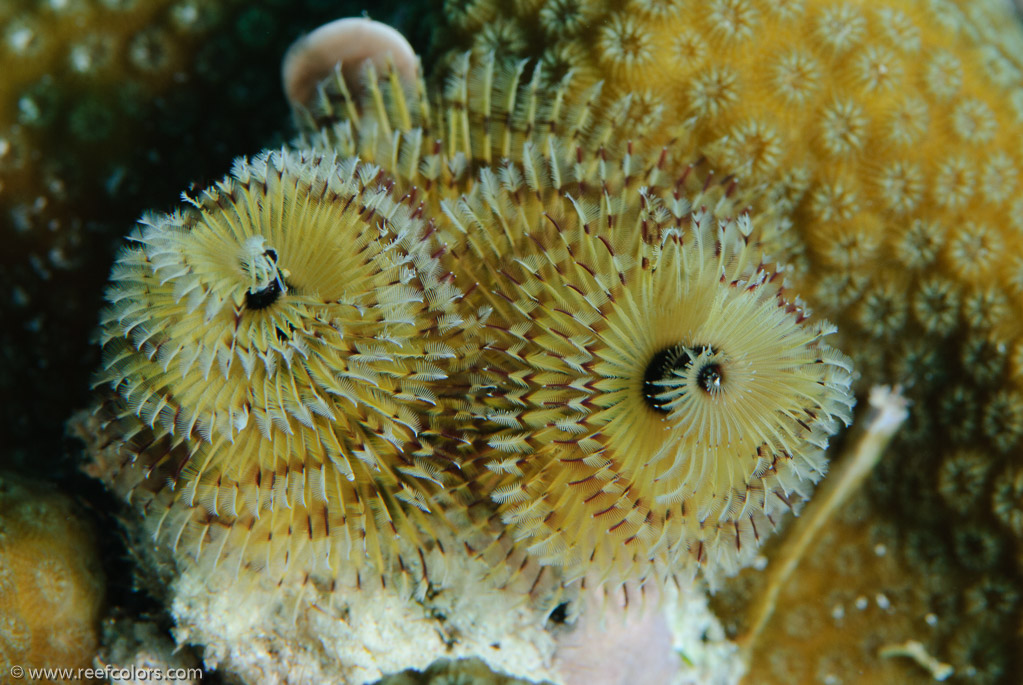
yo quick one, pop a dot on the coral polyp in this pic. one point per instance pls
(269, 351)
(52, 583)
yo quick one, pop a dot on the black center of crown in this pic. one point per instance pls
(264, 297)
(677, 360)
(709, 377)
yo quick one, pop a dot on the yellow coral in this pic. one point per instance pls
(51, 581)
(854, 597)
(67, 59)
(888, 111)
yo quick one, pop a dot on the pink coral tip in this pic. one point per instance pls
(351, 41)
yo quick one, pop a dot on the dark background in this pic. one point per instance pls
(85, 157)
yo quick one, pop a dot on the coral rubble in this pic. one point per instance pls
(139, 645)
(270, 635)
(471, 632)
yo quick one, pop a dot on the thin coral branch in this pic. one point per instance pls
(887, 410)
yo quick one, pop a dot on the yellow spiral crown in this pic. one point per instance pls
(271, 350)
(644, 394)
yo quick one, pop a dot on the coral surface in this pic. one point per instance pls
(263, 634)
(51, 581)
(470, 633)
(855, 597)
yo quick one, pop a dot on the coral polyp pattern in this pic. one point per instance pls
(884, 128)
(271, 350)
(51, 581)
